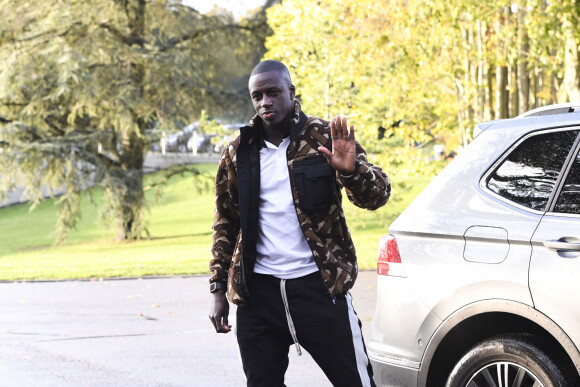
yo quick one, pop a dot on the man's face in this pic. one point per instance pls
(273, 96)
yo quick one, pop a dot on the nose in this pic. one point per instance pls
(266, 101)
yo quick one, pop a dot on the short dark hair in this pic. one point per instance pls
(270, 65)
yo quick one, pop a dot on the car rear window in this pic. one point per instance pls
(528, 175)
(569, 199)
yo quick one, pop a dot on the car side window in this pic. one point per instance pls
(569, 199)
(528, 175)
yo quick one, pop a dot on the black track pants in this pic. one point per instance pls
(326, 326)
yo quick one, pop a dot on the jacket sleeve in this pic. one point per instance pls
(369, 186)
(226, 223)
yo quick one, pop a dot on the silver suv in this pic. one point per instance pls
(479, 278)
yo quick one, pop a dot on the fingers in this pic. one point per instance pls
(219, 312)
(214, 323)
(219, 327)
(223, 328)
(324, 151)
(333, 134)
(340, 126)
(339, 129)
(344, 128)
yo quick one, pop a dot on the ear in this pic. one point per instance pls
(292, 91)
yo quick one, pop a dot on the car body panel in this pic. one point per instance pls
(443, 236)
(554, 274)
(396, 363)
(398, 328)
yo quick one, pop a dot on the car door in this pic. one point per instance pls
(555, 262)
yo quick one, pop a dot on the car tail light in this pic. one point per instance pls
(389, 259)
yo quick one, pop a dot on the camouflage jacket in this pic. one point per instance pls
(316, 189)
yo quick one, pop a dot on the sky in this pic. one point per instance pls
(238, 7)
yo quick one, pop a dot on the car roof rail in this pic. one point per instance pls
(482, 126)
(560, 108)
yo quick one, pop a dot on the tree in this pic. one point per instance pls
(84, 81)
(569, 14)
(367, 59)
(427, 71)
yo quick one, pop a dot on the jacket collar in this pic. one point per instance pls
(254, 127)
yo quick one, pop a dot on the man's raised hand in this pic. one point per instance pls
(343, 153)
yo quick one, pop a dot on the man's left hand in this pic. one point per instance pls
(343, 153)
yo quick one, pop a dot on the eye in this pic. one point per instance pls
(256, 97)
(274, 93)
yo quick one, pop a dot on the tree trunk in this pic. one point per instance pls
(571, 83)
(554, 87)
(503, 92)
(503, 95)
(131, 155)
(537, 86)
(483, 111)
(523, 74)
(490, 92)
(131, 196)
(514, 90)
(469, 77)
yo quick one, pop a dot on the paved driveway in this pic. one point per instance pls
(142, 332)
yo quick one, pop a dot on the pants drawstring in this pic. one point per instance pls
(289, 317)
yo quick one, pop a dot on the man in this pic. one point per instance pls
(281, 247)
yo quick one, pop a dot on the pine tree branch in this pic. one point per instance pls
(95, 158)
(15, 103)
(116, 33)
(52, 33)
(176, 171)
(53, 126)
(173, 42)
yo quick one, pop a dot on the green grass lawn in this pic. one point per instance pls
(180, 236)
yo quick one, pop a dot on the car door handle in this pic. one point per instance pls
(562, 245)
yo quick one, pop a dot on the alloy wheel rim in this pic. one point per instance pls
(504, 374)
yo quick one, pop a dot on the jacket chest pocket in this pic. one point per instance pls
(315, 183)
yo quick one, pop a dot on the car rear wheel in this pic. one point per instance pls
(511, 360)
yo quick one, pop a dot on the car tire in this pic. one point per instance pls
(505, 358)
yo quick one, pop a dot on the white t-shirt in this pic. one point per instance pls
(282, 250)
